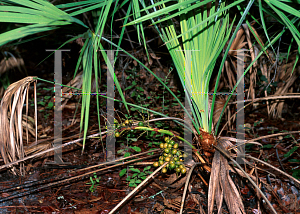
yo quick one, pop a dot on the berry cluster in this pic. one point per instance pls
(172, 155)
(126, 123)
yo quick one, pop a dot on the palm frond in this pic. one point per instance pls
(11, 135)
(38, 17)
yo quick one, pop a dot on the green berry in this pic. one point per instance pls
(183, 170)
(178, 163)
(155, 164)
(175, 146)
(140, 124)
(172, 165)
(177, 169)
(160, 162)
(167, 139)
(164, 170)
(174, 151)
(167, 159)
(167, 150)
(172, 142)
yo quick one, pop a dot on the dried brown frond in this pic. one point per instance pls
(221, 186)
(287, 76)
(10, 64)
(238, 43)
(219, 104)
(11, 119)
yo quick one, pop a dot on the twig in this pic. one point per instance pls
(277, 155)
(248, 177)
(65, 180)
(136, 189)
(186, 186)
(74, 171)
(273, 167)
(264, 137)
(255, 100)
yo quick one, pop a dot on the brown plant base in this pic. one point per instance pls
(207, 141)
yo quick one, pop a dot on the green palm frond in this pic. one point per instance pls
(202, 37)
(38, 16)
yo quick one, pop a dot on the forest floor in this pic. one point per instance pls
(36, 192)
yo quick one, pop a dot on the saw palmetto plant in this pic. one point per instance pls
(203, 34)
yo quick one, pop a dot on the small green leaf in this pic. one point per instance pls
(147, 168)
(133, 94)
(268, 146)
(50, 105)
(152, 133)
(291, 152)
(132, 184)
(296, 174)
(263, 78)
(122, 172)
(294, 160)
(127, 154)
(134, 175)
(129, 87)
(139, 88)
(141, 174)
(135, 170)
(138, 181)
(120, 151)
(41, 103)
(135, 148)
